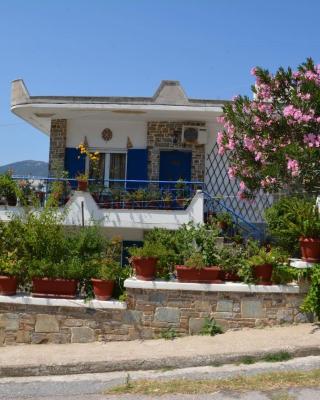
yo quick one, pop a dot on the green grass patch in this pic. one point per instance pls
(266, 382)
(278, 357)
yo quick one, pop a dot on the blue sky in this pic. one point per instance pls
(126, 47)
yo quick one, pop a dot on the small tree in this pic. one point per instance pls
(273, 141)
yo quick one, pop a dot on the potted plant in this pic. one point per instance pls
(50, 279)
(153, 197)
(232, 258)
(128, 197)
(167, 199)
(9, 269)
(224, 220)
(82, 180)
(180, 187)
(140, 196)
(295, 222)
(8, 189)
(116, 197)
(144, 259)
(310, 235)
(106, 271)
(263, 263)
(195, 269)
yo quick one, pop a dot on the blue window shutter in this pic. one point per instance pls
(137, 167)
(74, 163)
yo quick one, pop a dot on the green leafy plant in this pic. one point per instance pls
(290, 218)
(274, 256)
(232, 258)
(149, 249)
(71, 268)
(196, 261)
(10, 265)
(311, 303)
(9, 188)
(224, 218)
(210, 327)
(169, 334)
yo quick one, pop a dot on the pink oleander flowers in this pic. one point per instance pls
(273, 140)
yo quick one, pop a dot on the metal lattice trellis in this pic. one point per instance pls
(218, 184)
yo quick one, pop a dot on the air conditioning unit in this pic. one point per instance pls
(194, 134)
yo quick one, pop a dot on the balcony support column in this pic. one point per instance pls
(58, 139)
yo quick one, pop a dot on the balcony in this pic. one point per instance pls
(115, 204)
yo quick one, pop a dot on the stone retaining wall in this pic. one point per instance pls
(149, 312)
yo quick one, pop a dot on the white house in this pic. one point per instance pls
(141, 141)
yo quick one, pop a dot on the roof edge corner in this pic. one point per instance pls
(19, 92)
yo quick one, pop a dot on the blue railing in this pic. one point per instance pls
(138, 194)
(118, 193)
(216, 205)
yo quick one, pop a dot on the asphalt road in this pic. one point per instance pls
(301, 394)
(92, 386)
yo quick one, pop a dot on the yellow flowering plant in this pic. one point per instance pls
(94, 161)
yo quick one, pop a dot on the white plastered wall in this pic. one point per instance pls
(121, 130)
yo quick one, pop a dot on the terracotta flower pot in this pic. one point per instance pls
(51, 287)
(83, 186)
(310, 249)
(263, 274)
(223, 225)
(8, 285)
(204, 275)
(102, 288)
(145, 267)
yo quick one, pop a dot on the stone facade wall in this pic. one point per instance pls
(58, 138)
(149, 313)
(185, 311)
(163, 135)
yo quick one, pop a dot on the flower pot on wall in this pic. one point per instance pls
(203, 275)
(145, 267)
(8, 285)
(263, 274)
(310, 249)
(82, 186)
(50, 287)
(102, 288)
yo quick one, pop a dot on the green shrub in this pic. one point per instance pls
(311, 302)
(10, 265)
(232, 259)
(149, 249)
(8, 187)
(71, 268)
(196, 260)
(290, 218)
(106, 269)
(211, 327)
(274, 256)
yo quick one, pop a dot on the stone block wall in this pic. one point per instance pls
(186, 311)
(149, 313)
(58, 139)
(163, 135)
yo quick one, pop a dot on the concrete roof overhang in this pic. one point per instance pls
(169, 103)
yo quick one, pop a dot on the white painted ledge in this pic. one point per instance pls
(298, 263)
(134, 283)
(77, 303)
(120, 218)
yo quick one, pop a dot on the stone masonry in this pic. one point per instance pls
(58, 138)
(163, 135)
(149, 313)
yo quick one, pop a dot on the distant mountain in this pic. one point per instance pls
(27, 168)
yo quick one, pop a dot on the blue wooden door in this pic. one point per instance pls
(175, 165)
